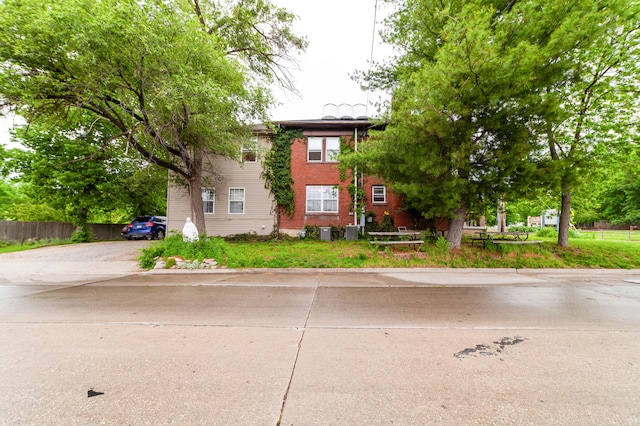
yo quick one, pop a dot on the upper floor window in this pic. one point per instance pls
(314, 149)
(322, 198)
(209, 200)
(250, 152)
(379, 194)
(236, 200)
(333, 149)
(323, 149)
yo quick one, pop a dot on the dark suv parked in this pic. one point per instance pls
(148, 227)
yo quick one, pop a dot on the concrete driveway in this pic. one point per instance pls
(75, 263)
(318, 347)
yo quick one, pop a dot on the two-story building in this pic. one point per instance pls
(234, 196)
(322, 196)
(236, 201)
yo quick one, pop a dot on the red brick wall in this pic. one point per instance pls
(326, 173)
(393, 205)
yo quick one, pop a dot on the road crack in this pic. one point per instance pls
(295, 361)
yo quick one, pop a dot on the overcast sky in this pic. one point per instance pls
(340, 34)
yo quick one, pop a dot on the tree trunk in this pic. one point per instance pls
(195, 192)
(81, 220)
(456, 225)
(565, 217)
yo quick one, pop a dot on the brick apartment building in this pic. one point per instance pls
(322, 198)
(237, 202)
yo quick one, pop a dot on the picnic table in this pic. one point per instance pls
(396, 238)
(502, 237)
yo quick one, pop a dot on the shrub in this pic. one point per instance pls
(82, 235)
(312, 232)
(249, 237)
(552, 233)
(547, 233)
(442, 246)
(204, 248)
(524, 228)
(573, 233)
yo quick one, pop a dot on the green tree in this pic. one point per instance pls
(473, 88)
(8, 197)
(591, 112)
(179, 80)
(620, 197)
(458, 136)
(71, 167)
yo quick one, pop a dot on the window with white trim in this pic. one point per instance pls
(236, 200)
(322, 199)
(250, 151)
(209, 200)
(378, 194)
(323, 149)
(332, 149)
(314, 149)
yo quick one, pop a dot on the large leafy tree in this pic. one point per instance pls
(178, 80)
(471, 96)
(591, 113)
(458, 135)
(619, 197)
(71, 167)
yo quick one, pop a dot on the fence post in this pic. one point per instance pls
(602, 234)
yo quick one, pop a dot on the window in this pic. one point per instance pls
(314, 149)
(379, 194)
(321, 199)
(236, 200)
(333, 149)
(316, 146)
(250, 152)
(209, 200)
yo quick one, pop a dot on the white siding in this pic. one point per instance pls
(259, 213)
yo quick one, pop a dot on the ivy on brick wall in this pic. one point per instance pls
(357, 195)
(277, 168)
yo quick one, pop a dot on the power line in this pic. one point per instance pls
(373, 39)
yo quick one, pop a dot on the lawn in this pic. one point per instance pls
(297, 253)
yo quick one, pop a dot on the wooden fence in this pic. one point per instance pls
(612, 235)
(23, 231)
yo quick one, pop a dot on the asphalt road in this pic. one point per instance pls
(319, 347)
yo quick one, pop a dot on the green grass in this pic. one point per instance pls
(11, 246)
(583, 252)
(611, 235)
(295, 253)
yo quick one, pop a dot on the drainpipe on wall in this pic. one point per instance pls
(355, 178)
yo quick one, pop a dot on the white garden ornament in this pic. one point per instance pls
(189, 231)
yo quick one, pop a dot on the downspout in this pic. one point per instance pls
(355, 178)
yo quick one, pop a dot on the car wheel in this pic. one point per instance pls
(160, 235)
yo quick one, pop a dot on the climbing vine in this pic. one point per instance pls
(346, 168)
(277, 168)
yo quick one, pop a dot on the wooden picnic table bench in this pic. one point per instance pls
(396, 238)
(519, 237)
